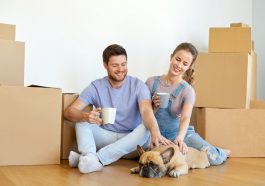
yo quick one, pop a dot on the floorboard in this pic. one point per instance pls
(234, 172)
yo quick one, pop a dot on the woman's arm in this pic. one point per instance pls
(151, 123)
(156, 103)
(183, 127)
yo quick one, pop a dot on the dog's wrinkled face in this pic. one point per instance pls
(169, 160)
(152, 163)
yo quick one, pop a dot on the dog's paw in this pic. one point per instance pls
(200, 166)
(206, 165)
(176, 173)
(135, 170)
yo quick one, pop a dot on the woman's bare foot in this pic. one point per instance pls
(228, 152)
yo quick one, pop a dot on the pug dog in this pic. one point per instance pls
(168, 160)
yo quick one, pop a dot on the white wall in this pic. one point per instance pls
(259, 38)
(65, 38)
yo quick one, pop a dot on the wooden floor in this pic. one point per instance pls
(235, 172)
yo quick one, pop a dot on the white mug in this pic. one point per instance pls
(164, 99)
(108, 115)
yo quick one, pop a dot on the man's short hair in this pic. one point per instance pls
(113, 50)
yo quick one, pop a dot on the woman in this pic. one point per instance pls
(174, 120)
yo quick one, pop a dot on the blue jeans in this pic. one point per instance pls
(169, 125)
(107, 145)
(216, 155)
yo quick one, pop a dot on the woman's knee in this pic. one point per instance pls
(215, 159)
(214, 156)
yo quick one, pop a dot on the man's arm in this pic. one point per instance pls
(151, 123)
(75, 113)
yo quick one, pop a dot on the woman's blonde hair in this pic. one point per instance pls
(189, 74)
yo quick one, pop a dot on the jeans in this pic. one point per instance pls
(169, 125)
(216, 155)
(109, 146)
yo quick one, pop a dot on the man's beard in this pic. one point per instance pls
(113, 78)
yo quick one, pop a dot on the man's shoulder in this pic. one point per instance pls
(134, 80)
(137, 84)
(99, 82)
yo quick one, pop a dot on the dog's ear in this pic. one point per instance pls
(167, 154)
(140, 150)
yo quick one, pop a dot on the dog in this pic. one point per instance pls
(168, 160)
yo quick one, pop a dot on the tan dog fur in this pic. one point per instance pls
(169, 160)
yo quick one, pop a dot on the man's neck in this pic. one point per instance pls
(116, 84)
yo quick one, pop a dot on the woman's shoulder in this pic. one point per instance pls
(150, 81)
(188, 93)
(152, 78)
(188, 87)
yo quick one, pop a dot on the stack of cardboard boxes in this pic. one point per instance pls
(32, 128)
(30, 117)
(227, 112)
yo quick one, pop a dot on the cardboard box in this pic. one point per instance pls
(193, 118)
(68, 139)
(257, 104)
(7, 32)
(225, 80)
(30, 125)
(234, 39)
(253, 76)
(240, 130)
(12, 62)
(239, 25)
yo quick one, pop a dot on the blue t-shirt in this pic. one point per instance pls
(126, 99)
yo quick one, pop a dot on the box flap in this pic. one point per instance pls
(40, 86)
(238, 25)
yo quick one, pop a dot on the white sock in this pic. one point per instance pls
(73, 159)
(89, 163)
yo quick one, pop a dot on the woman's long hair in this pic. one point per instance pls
(189, 74)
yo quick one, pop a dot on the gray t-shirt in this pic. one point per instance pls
(126, 99)
(186, 96)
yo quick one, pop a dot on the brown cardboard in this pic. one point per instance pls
(30, 125)
(258, 104)
(239, 25)
(240, 130)
(254, 76)
(193, 118)
(12, 62)
(7, 32)
(224, 80)
(68, 139)
(233, 39)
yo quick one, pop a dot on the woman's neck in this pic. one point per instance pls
(172, 80)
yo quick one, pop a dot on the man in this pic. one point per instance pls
(131, 97)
